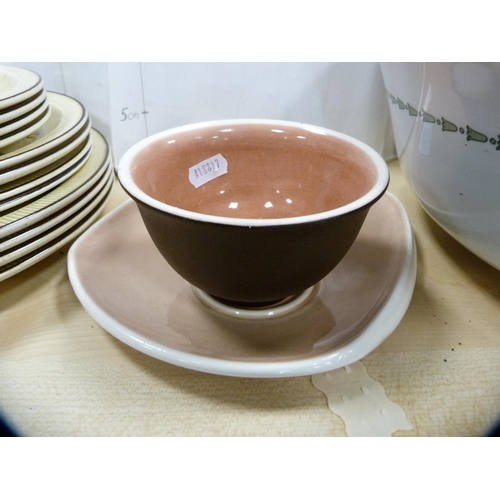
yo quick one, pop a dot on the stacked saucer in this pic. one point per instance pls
(54, 178)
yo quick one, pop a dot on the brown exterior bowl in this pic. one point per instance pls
(283, 216)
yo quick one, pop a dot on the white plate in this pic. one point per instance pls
(26, 130)
(52, 245)
(36, 164)
(23, 107)
(59, 217)
(31, 192)
(67, 118)
(46, 174)
(15, 124)
(129, 289)
(19, 253)
(61, 197)
(17, 84)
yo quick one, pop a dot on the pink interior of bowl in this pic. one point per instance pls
(274, 171)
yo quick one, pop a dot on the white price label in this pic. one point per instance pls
(207, 170)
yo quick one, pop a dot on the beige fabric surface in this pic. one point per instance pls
(61, 374)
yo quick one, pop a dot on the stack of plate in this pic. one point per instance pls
(55, 177)
(23, 104)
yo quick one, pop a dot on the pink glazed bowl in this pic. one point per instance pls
(253, 211)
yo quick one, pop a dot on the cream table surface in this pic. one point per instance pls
(61, 374)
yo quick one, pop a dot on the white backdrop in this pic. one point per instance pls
(129, 101)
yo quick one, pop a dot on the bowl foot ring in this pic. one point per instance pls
(257, 312)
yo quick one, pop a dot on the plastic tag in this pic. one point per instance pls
(361, 402)
(207, 170)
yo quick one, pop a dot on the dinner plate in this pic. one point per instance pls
(19, 253)
(26, 129)
(46, 174)
(67, 117)
(57, 177)
(56, 218)
(18, 172)
(17, 123)
(17, 84)
(130, 290)
(50, 246)
(23, 107)
(63, 196)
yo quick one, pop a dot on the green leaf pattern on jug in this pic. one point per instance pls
(446, 125)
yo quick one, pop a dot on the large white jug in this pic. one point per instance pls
(446, 123)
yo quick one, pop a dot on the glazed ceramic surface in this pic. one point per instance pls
(51, 177)
(24, 127)
(46, 174)
(51, 243)
(17, 85)
(288, 203)
(67, 119)
(62, 197)
(36, 230)
(133, 293)
(22, 108)
(19, 122)
(446, 120)
(59, 231)
(51, 220)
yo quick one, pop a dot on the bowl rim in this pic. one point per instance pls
(378, 189)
